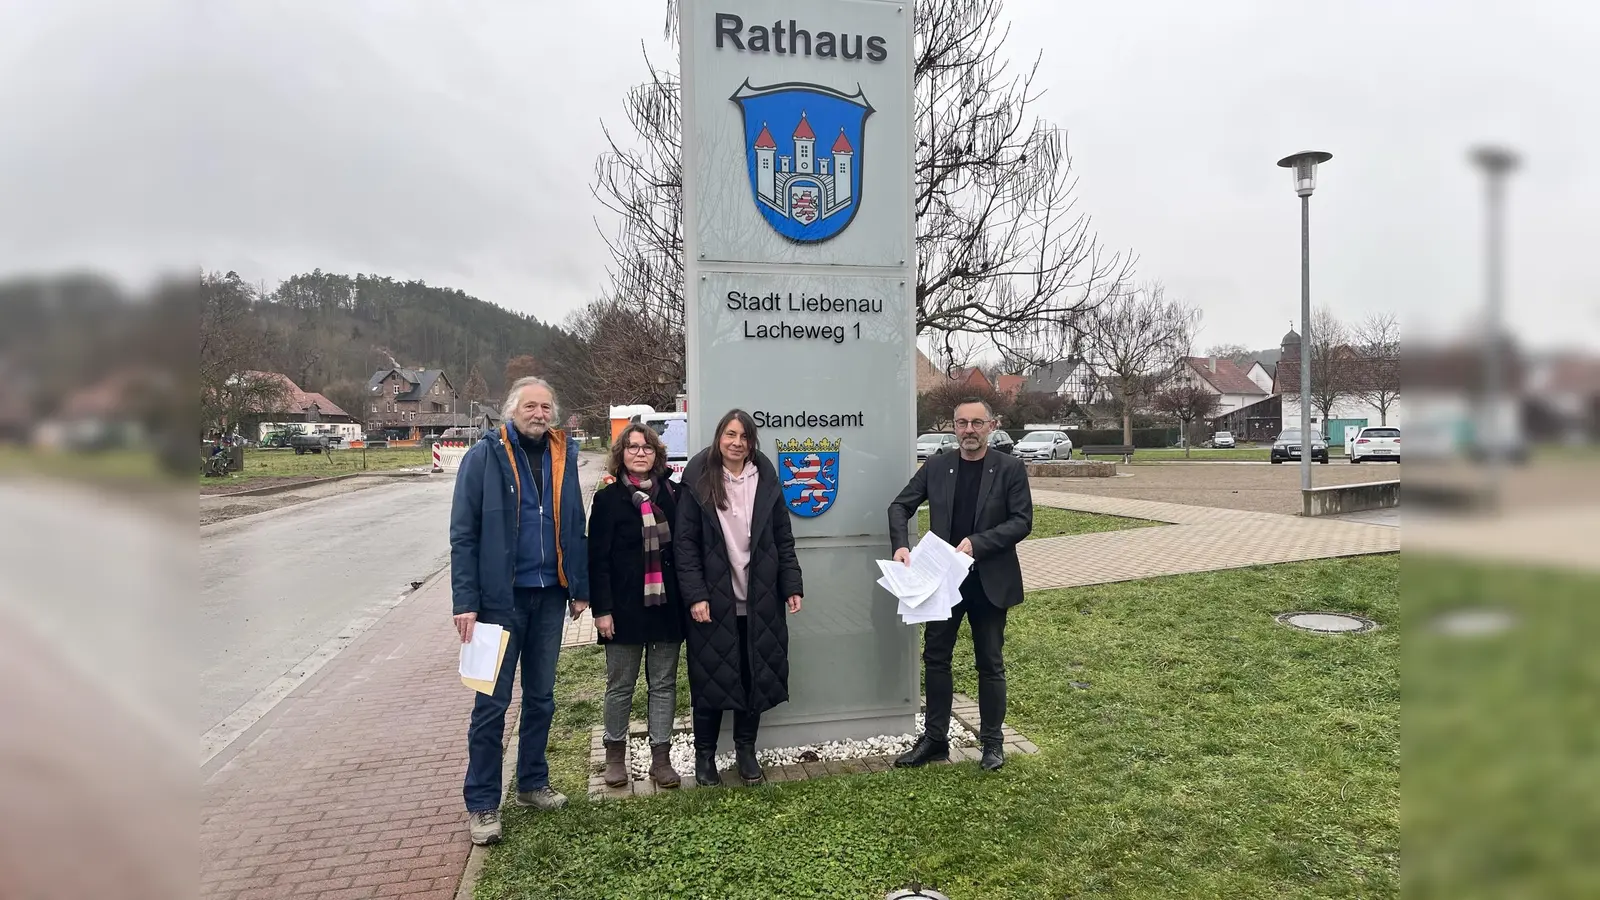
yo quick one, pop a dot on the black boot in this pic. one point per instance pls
(925, 751)
(994, 756)
(745, 760)
(705, 768)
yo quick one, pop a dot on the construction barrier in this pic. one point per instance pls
(447, 455)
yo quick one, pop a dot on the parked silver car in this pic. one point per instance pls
(934, 442)
(1044, 445)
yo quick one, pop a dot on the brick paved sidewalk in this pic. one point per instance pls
(579, 632)
(1198, 539)
(351, 788)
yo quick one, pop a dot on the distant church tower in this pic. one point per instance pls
(844, 162)
(766, 149)
(804, 147)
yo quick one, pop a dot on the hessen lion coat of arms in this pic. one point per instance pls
(810, 473)
(803, 150)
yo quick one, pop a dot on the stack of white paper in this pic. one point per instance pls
(930, 587)
(480, 658)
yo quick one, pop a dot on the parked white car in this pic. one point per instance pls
(934, 443)
(1037, 445)
(1376, 442)
(1223, 440)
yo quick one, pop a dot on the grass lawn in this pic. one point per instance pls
(283, 463)
(1502, 784)
(1242, 454)
(1048, 522)
(109, 465)
(1214, 753)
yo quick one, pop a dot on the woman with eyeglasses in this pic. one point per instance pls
(633, 592)
(739, 575)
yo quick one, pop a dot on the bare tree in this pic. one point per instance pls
(936, 407)
(622, 358)
(475, 388)
(1377, 341)
(641, 182)
(1334, 365)
(1136, 338)
(521, 367)
(1188, 403)
(1004, 257)
(1239, 354)
(231, 345)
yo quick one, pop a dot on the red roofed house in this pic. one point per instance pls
(928, 374)
(311, 411)
(1222, 377)
(1009, 385)
(973, 378)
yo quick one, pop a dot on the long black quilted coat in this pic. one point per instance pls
(714, 652)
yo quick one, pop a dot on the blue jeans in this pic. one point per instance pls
(535, 622)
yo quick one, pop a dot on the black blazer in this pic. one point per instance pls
(616, 566)
(1005, 517)
(716, 656)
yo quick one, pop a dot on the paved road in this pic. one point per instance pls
(286, 589)
(101, 580)
(276, 587)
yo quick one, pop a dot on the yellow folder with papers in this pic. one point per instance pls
(475, 657)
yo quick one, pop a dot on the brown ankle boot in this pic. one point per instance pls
(661, 770)
(616, 770)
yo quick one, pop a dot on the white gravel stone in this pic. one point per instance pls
(682, 753)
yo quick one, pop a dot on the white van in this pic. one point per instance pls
(673, 427)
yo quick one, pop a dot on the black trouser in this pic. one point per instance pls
(708, 722)
(988, 642)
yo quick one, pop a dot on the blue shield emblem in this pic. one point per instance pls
(803, 146)
(810, 473)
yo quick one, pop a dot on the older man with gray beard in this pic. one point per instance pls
(518, 558)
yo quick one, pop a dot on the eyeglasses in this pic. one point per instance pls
(971, 423)
(639, 449)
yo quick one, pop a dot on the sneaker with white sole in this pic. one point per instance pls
(484, 826)
(546, 798)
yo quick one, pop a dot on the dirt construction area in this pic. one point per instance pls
(1255, 487)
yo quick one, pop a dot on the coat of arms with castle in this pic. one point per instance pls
(806, 196)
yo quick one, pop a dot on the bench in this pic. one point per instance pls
(1122, 450)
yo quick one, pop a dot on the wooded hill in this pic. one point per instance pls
(330, 332)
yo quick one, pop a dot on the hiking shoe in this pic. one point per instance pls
(484, 826)
(545, 798)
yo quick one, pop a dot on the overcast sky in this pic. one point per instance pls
(455, 142)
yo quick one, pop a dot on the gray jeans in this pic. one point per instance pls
(622, 673)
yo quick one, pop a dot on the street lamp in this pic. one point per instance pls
(1304, 165)
(1496, 163)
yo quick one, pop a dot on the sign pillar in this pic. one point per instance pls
(799, 277)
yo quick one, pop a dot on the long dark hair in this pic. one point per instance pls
(710, 487)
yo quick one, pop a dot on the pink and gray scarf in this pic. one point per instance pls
(657, 534)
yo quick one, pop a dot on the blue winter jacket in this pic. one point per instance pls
(484, 522)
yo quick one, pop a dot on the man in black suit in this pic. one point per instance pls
(979, 502)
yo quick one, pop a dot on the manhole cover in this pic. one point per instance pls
(1326, 622)
(1473, 622)
(915, 893)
